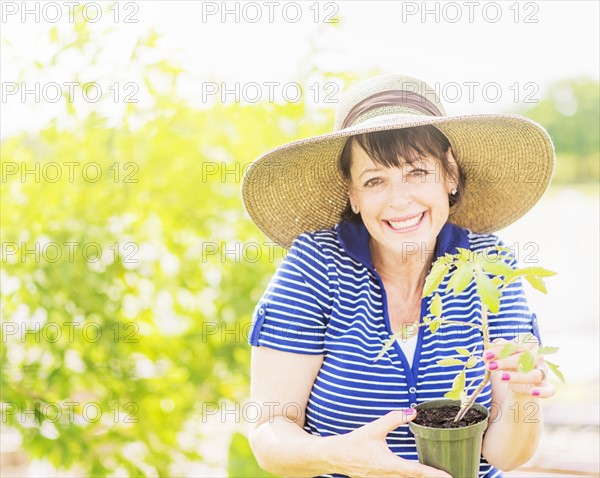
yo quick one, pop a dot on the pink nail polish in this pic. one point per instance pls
(493, 365)
(505, 376)
(410, 411)
(535, 392)
(489, 355)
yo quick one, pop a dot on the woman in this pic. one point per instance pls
(365, 211)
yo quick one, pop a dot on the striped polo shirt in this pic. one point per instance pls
(327, 298)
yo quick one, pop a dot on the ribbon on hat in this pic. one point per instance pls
(391, 98)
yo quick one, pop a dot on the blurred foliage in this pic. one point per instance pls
(570, 111)
(153, 328)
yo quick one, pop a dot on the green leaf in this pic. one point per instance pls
(555, 370)
(547, 350)
(526, 362)
(490, 295)
(435, 277)
(495, 266)
(463, 351)
(537, 283)
(458, 385)
(503, 249)
(389, 342)
(436, 305)
(464, 255)
(472, 362)
(434, 326)
(536, 272)
(452, 395)
(449, 361)
(460, 279)
(533, 275)
(498, 283)
(507, 350)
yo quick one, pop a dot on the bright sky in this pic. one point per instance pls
(481, 56)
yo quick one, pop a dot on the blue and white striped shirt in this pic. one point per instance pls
(327, 298)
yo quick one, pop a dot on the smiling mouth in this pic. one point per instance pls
(400, 225)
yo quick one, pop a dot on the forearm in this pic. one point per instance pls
(513, 434)
(283, 448)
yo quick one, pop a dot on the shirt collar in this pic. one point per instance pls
(354, 238)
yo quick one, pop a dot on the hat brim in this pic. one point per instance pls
(508, 161)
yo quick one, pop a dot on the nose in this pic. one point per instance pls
(399, 195)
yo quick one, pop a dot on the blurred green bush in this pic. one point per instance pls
(570, 111)
(139, 269)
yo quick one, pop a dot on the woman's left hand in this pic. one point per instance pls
(534, 383)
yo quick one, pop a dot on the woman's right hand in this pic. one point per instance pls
(364, 452)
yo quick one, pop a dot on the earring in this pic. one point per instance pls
(452, 198)
(354, 209)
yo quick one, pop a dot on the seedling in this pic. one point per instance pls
(492, 274)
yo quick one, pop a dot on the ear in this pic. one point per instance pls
(452, 181)
(352, 197)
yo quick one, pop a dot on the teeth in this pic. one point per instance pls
(405, 224)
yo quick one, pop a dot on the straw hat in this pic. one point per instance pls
(508, 161)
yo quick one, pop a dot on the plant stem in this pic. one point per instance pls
(486, 378)
(465, 408)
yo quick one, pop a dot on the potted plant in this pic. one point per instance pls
(449, 433)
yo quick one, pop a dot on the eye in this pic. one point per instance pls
(419, 172)
(372, 182)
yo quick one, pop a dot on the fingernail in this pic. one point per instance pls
(493, 365)
(535, 392)
(489, 355)
(505, 376)
(410, 411)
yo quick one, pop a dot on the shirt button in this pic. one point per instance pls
(261, 311)
(413, 405)
(412, 390)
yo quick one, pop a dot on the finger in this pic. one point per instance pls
(512, 363)
(494, 353)
(543, 391)
(390, 421)
(496, 350)
(534, 377)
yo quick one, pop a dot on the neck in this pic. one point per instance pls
(406, 271)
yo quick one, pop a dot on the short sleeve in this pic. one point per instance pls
(514, 316)
(292, 315)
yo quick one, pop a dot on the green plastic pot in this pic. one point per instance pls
(457, 451)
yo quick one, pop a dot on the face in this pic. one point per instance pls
(403, 208)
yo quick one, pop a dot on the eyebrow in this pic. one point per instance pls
(370, 170)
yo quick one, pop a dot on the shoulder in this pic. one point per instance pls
(322, 238)
(322, 246)
(479, 241)
(482, 241)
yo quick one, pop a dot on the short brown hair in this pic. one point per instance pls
(409, 145)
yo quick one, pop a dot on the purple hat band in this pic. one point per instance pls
(391, 98)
